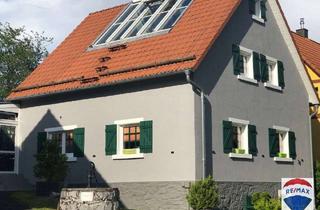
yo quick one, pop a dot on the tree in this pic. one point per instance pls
(20, 54)
(263, 201)
(203, 194)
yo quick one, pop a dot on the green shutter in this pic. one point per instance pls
(281, 74)
(273, 143)
(78, 136)
(237, 60)
(42, 138)
(263, 9)
(256, 66)
(146, 137)
(264, 68)
(252, 7)
(252, 131)
(292, 145)
(111, 140)
(227, 137)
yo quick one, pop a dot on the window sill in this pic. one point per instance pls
(240, 156)
(126, 157)
(275, 87)
(279, 159)
(247, 79)
(258, 19)
(71, 159)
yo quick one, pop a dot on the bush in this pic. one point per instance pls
(317, 184)
(51, 165)
(263, 201)
(203, 194)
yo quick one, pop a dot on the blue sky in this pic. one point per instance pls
(57, 18)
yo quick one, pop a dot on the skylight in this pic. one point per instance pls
(143, 19)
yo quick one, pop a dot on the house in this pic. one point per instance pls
(310, 51)
(161, 93)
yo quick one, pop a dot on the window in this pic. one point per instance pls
(128, 139)
(246, 64)
(145, 18)
(282, 144)
(257, 9)
(70, 138)
(7, 148)
(239, 138)
(272, 72)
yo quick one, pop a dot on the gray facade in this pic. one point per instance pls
(160, 178)
(227, 96)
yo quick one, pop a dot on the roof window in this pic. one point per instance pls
(144, 18)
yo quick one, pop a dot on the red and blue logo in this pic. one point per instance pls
(297, 194)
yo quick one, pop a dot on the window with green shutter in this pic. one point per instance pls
(281, 74)
(264, 68)
(111, 140)
(256, 66)
(240, 138)
(258, 10)
(263, 7)
(273, 143)
(252, 7)
(78, 138)
(146, 136)
(237, 60)
(292, 145)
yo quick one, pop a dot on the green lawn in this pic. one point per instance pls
(34, 202)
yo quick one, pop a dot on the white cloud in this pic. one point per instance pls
(57, 18)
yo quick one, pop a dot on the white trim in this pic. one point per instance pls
(279, 159)
(9, 122)
(8, 172)
(246, 50)
(247, 79)
(238, 121)
(240, 156)
(128, 121)
(124, 157)
(7, 152)
(280, 128)
(313, 98)
(62, 128)
(258, 19)
(269, 85)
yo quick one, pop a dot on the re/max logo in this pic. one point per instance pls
(297, 190)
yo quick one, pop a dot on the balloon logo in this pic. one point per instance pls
(298, 194)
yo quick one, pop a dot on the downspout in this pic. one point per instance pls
(312, 115)
(203, 133)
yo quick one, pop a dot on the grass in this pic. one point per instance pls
(30, 200)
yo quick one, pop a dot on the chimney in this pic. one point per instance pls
(302, 31)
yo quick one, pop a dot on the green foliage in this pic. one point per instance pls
(51, 164)
(20, 54)
(317, 184)
(203, 194)
(263, 201)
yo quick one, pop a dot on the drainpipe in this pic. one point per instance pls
(203, 133)
(314, 113)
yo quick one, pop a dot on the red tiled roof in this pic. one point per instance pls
(309, 50)
(71, 66)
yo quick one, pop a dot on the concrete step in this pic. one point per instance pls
(14, 182)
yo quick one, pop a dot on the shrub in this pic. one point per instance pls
(51, 164)
(317, 184)
(203, 194)
(263, 201)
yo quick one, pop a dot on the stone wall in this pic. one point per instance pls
(98, 199)
(233, 194)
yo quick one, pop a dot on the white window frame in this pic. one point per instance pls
(285, 131)
(247, 76)
(13, 123)
(140, 34)
(244, 138)
(257, 15)
(63, 129)
(274, 84)
(120, 154)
